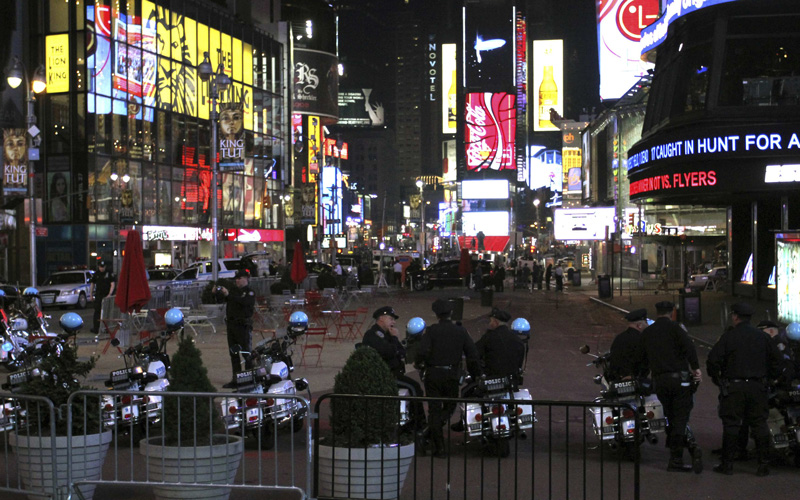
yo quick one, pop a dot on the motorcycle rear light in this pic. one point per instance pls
(146, 399)
(478, 417)
(126, 416)
(609, 420)
(253, 418)
(251, 402)
(519, 410)
(627, 413)
(126, 400)
(108, 407)
(270, 402)
(233, 410)
(497, 410)
(650, 415)
(7, 411)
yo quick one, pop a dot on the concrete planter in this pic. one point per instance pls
(39, 473)
(215, 464)
(363, 472)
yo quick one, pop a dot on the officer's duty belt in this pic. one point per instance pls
(754, 379)
(445, 367)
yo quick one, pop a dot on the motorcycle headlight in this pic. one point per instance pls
(7, 346)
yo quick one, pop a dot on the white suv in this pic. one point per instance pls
(66, 288)
(201, 271)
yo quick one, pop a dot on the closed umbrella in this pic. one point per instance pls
(133, 290)
(298, 272)
(465, 265)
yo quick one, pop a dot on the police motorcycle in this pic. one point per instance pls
(22, 325)
(13, 414)
(616, 425)
(784, 406)
(493, 420)
(271, 361)
(146, 365)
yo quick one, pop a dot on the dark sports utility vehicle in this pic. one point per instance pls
(445, 273)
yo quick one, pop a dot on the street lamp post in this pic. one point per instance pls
(217, 82)
(15, 76)
(421, 186)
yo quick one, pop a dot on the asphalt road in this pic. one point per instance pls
(539, 466)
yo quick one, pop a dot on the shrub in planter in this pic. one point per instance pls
(365, 422)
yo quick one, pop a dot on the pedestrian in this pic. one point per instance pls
(339, 274)
(398, 272)
(382, 336)
(477, 276)
(559, 274)
(675, 369)
(526, 274)
(547, 273)
(441, 348)
(538, 275)
(501, 351)
(241, 304)
(742, 363)
(499, 278)
(101, 286)
(663, 285)
(628, 359)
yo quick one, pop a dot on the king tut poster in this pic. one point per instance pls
(15, 163)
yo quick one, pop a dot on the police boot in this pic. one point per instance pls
(763, 460)
(729, 445)
(676, 461)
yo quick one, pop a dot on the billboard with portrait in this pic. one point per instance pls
(58, 196)
(619, 28)
(490, 131)
(15, 163)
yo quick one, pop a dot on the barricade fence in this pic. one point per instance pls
(557, 457)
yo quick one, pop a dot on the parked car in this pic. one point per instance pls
(445, 273)
(67, 288)
(201, 271)
(700, 281)
(159, 276)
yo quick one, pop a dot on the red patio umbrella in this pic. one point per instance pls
(298, 272)
(465, 264)
(133, 291)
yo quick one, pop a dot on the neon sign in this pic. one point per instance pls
(490, 131)
(674, 181)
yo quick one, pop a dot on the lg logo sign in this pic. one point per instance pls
(634, 15)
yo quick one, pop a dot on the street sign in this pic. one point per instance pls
(41, 231)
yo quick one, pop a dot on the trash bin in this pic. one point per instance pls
(487, 295)
(691, 313)
(604, 286)
(576, 278)
(458, 308)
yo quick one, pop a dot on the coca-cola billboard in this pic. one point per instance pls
(490, 131)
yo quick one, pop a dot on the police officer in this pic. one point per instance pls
(441, 348)
(741, 363)
(101, 286)
(500, 350)
(241, 304)
(672, 360)
(382, 336)
(628, 358)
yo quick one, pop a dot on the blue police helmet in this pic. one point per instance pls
(174, 319)
(298, 318)
(521, 326)
(30, 291)
(71, 322)
(793, 331)
(415, 326)
(2, 293)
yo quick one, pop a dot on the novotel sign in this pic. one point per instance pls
(725, 159)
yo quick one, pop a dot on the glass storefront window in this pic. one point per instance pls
(59, 131)
(149, 194)
(165, 202)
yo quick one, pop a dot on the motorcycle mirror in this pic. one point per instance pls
(585, 349)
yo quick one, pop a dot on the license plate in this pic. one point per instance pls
(47, 300)
(18, 378)
(120, 375)
(245, 377)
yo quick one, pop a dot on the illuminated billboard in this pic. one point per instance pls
(449, 89)
(490, 131)
(547, 82)
(491, 223)
(57, 58)
(488, 189)
(488, 45)
(449, 171)
(331, 200)
(316, 83)
(656, 32)
(787, 246)
(360, 108)
(583, 223)
(619, 27)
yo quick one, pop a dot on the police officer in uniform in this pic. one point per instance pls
(672, 360)
(441, 348)
(500, 350)
(741, 363)
(628, 358)
(102, 286)
(241, 304)
(382, 336)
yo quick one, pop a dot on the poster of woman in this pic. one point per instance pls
(58, 196)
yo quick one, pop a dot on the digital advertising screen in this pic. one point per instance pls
(787, 247)
(316, 83)
(619, 27)
(491, 223)
(547, 82)
(545, 169)
(489, 189)
(490, 131)
(449, 89)
(583, 223)
(488, 45)
(360, 108)
(656, 32)
(330, 202)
